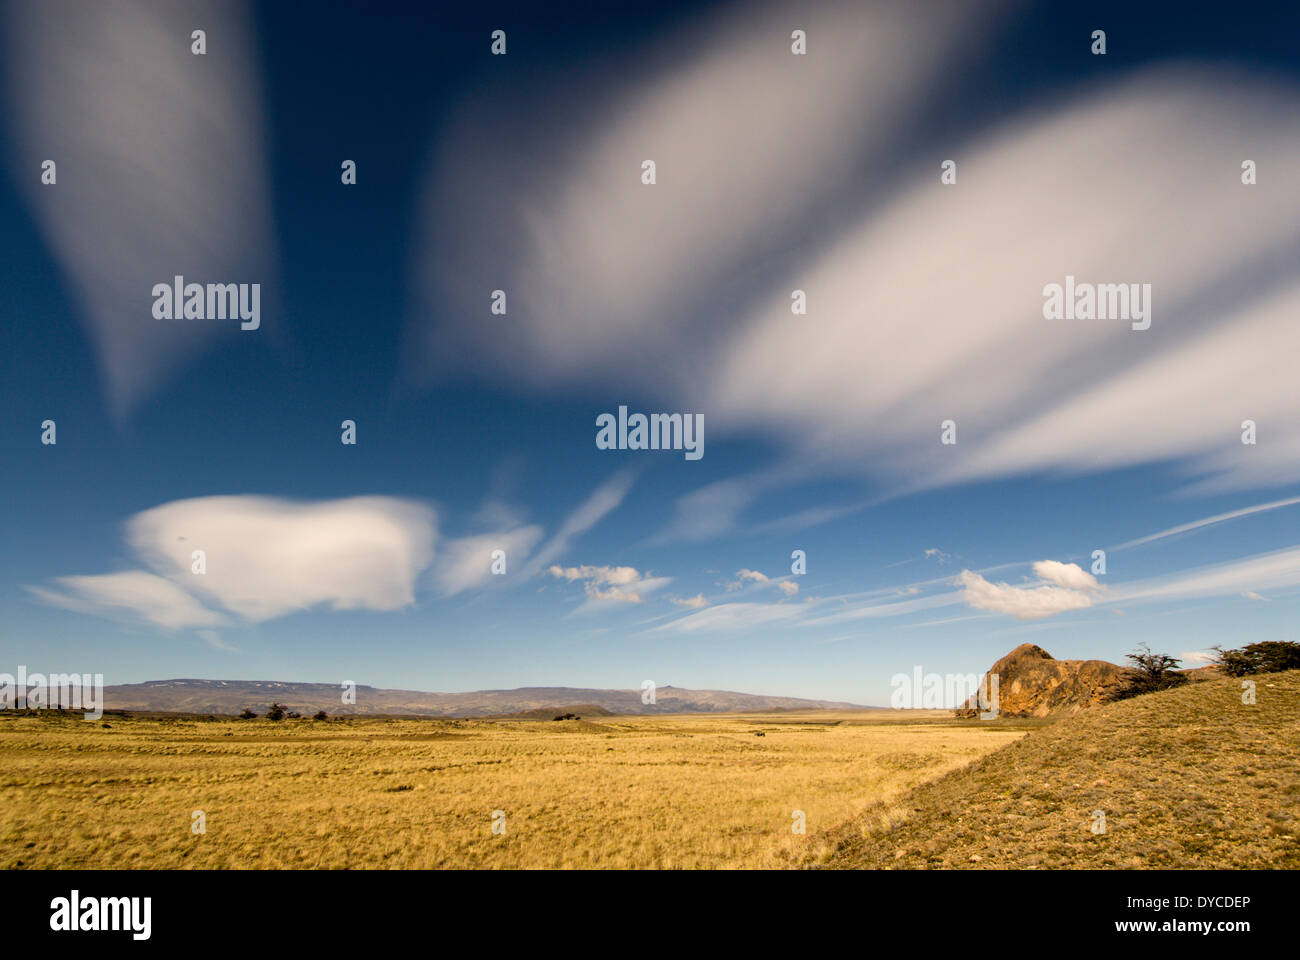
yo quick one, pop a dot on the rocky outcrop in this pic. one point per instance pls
(1032, 683)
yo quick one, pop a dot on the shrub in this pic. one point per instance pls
(321, 715)
(247, 714)
(275, 713)
(1269, 656)
(1151, 672)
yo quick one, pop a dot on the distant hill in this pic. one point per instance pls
(1187, 778)
(232, 696)
(577, 710)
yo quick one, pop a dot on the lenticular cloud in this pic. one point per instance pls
(260, 558)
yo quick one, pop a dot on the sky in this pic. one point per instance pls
(476, 430)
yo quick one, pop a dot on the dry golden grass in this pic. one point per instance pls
(1186, 778)
(674, 791)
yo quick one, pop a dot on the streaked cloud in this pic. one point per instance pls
(906, 320)
(607, 277)
(736, 616)
(130, 595)
(160, 160)
(1209, 522)
(603, 501)
(909, 319)
(214, 639)
(466, 562)
(1274, 571)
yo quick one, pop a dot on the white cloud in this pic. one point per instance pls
(743, 576)
(267, 557)
(132, 595)
(785, 585)
(1252, 595)
(263, 558)
(620, 576)
(111, 93)
(728, 116)
(695, 603)
(910, 320)
(1068, 575)
(1277, 570)
(1024, 603)
(616, 584)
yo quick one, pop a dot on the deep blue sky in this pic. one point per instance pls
(493, 444)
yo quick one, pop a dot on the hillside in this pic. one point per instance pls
(1186, 778)
(231, 696)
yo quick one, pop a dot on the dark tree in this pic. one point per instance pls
(275, 713)
(1268, 656)
(1151, 672)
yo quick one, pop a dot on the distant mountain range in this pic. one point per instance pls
(233, 696)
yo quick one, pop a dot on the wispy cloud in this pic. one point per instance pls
(736, 616)
(112, 94)
(1208, 522)
(130, 595)
(466, 562)
(213, 639)
(1273, 571)
(727, 114)
(606, 499)
(889, 367)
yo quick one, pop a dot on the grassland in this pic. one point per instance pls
(671, 791)
(1186, 778)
